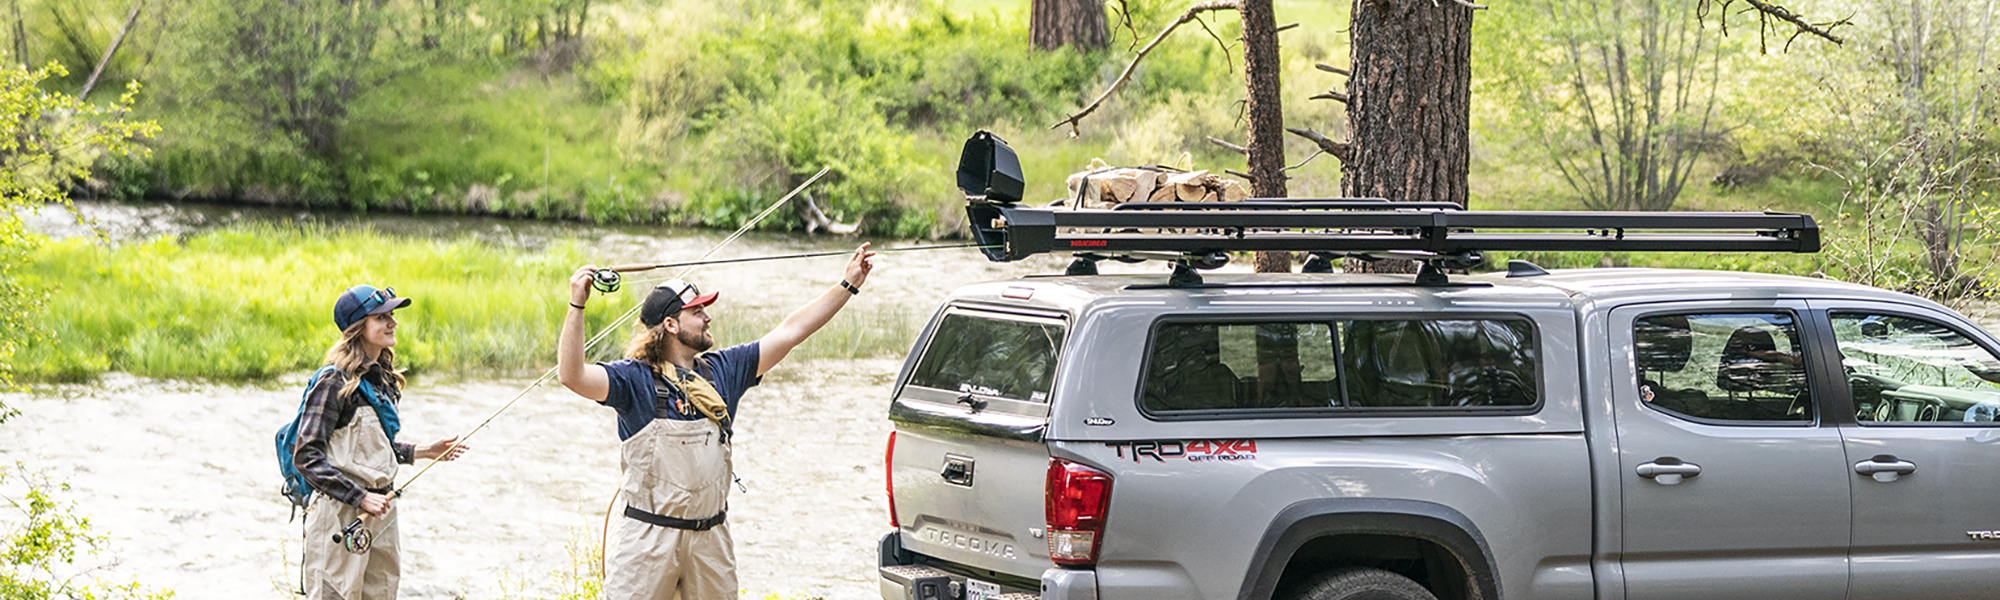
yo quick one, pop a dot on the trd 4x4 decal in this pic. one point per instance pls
(1193, 451)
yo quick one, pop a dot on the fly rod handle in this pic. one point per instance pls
(633, 268)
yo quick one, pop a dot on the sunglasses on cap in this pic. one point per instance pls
(370, 303)
(687, 292)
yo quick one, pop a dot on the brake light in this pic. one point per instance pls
(1076, 500)
(889, 476)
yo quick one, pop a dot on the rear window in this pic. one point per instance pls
(992, 355)
(1357, 364)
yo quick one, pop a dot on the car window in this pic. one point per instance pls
(992, 356)
(1908, 370)
(1360, 364)
(1726, 367)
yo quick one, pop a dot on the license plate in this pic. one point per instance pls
(980, 590)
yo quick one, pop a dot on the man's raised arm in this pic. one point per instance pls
(809, 318)
(572, 369)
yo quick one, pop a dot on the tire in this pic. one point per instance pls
(1358, 583)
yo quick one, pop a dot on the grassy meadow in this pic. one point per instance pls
(252, 301)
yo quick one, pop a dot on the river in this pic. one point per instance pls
(180, 475)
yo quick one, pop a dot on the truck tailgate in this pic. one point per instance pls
(967, 465)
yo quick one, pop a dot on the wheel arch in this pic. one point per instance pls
(1423, 522)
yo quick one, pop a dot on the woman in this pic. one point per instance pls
(348, 452)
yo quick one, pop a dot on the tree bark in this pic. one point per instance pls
(1266, 140)
(1054, 24)
(1408, 105)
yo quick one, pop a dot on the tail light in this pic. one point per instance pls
(889, 477)
(1076, 501)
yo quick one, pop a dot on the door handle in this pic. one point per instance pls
(1885, 468)
(957, 470)
(1667, 470)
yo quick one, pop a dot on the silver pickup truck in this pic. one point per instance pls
(1593, 433)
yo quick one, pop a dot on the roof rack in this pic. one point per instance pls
(1199, 235)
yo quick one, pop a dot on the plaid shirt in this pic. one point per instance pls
(326, 412)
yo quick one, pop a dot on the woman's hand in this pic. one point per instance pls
(436, 450)
(375, 504)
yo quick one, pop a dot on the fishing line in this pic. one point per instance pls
(355, 537)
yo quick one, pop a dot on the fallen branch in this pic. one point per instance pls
(1193, 13)
(109, 52)
(1232, 147)
(1340, 150)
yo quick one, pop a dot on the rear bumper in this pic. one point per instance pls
(903, 579)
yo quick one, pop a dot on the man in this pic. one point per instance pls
(676, 402)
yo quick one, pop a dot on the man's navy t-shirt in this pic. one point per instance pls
(731, 370)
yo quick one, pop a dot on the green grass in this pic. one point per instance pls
(254, 301)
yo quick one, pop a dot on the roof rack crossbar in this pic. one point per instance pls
(1335, 227)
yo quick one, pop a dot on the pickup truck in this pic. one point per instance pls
(1586, 433)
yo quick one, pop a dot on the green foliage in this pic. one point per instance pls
(1621, 96)
(47, 141)
(252, 302)
(41, 547)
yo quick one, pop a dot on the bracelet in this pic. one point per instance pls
(574, 305)
(851, 288)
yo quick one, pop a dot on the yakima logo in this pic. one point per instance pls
(968, 542)
(1192, 451)
(1087, 243)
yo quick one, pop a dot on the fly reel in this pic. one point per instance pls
(355, 538)
(606, 280)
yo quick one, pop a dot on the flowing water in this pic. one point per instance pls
(180, 476)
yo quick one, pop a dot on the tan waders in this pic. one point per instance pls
(360, 451)
(671, 538)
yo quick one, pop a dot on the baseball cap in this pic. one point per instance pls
(363, 300)
(669, 298)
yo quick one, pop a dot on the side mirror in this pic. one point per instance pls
(988, 170)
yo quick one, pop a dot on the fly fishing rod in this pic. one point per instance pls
(609, 279)
(357, 539)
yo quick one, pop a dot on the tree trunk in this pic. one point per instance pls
(20, 35)
(1054, 24)
(1266, 141)
(1408, 102)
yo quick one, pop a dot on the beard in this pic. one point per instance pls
(699, 342)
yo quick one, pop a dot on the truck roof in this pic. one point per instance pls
(1074, 294)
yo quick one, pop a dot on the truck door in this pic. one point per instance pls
(1731, 485)
(1923, 450)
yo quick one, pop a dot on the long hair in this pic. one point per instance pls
(347, 356)
(649, 345)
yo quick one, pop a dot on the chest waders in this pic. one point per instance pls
(360, 451)
(675, 489)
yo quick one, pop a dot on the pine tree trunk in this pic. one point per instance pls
(1054, 24)
(1408, 106)
(1266, 141)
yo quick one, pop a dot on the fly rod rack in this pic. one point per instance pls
(1195, 235)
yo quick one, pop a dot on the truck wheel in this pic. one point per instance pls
(1360, 584)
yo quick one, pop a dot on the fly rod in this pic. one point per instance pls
(608, 279)
(356, 538)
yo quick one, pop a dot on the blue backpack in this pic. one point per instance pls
(295, 488)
